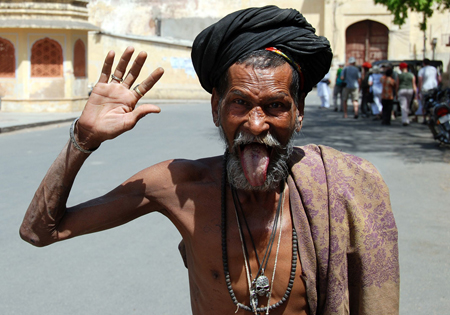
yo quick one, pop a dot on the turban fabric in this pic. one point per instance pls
(220, 45)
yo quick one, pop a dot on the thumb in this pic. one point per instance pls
(143, 110)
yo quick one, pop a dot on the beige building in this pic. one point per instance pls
(43, 54)
(165, 29)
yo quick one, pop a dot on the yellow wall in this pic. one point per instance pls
(24, 93)
(179, 80)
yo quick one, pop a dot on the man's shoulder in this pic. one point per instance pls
(185, 171)
(313, 154)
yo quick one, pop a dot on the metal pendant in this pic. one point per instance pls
(262, 285)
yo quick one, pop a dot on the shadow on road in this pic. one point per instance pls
(413, 144)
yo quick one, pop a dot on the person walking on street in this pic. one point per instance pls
(367, 96)
(323, 91)
(352, 78)
(429, 79)
(387, 96)
(406, 85)
(338, 88)
(376, 88)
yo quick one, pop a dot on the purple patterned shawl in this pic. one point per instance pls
(346, 233)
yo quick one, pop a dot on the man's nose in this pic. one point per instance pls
(256, 123)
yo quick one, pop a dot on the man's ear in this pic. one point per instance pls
(215, 106)
(300, 111)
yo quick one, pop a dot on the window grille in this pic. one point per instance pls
(79, 59)
(7, 59)
(46, 59)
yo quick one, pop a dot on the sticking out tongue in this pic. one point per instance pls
(254, 161)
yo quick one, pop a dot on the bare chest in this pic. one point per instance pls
(225, 259)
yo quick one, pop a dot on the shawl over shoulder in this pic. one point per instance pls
(346, 232)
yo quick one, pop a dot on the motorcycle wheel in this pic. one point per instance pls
(433, 128)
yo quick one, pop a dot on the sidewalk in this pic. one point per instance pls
(16, 121)
(10, 121)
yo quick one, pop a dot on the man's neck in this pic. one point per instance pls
(259, 202)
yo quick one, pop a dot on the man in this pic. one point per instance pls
(352, 78)
(323, 91)
(302, 230)
(338, 88)
(387, 95)
(429, 79)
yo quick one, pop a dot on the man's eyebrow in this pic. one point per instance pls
(274, 97)
(239, 93)
(278, 95)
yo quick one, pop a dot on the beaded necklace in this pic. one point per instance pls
(252, 308)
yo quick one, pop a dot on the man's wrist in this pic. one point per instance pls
(79, 146)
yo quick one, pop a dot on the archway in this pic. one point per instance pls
(367, 41)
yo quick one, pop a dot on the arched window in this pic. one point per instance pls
(79, 59)
(7, 59)
(46, 59)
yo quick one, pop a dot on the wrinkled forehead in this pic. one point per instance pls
(250, 76)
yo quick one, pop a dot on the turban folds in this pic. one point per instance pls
(220, 45)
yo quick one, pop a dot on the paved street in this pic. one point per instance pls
(136, 268)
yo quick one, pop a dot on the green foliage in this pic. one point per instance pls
(400, 9)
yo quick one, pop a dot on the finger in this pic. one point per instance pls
(135, 70)
(122, 65)
(106, 70)
(149, 82)
(140, 112)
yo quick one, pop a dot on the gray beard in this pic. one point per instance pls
(277, 170)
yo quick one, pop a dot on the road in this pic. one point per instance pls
(136, 268)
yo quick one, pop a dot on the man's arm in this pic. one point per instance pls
(420, 80)
(110, 111)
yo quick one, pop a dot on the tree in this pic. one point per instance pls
(400, 10)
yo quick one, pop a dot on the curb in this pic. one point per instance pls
(33, 125)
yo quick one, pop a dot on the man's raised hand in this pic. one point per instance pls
(111, 109)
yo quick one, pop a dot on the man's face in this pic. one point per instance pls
(258, 118)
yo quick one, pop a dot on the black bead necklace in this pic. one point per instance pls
(225, 254)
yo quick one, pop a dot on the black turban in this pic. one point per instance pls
(220, 45)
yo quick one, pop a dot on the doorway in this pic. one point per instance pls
(367, 41)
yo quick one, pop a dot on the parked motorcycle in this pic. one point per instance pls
(437, 104)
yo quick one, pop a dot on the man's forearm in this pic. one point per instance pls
(40, 224)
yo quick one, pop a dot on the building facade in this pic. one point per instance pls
(48, 72)
(357, 28)
(43, 55)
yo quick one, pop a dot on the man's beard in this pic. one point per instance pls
(277, 170)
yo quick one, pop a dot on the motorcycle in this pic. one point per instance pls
(438, 109)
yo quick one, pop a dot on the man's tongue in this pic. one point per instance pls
(254, 161)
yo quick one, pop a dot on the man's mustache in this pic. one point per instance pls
(243, 138)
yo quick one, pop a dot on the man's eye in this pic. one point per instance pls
(275, 105)
(240, 102)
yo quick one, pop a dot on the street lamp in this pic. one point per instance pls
(433, 45)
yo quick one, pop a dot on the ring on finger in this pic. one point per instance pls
(116, 78)
(136, 89)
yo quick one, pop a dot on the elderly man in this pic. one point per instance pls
(304, 230)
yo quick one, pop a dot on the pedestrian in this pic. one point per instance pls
(352, 78)
(387, 96)
(406, 85)
(323, 91)
(366, 95)
(338, 88)
(266, 227)
(376, 88)
(429, 79)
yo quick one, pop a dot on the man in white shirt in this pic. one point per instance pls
(429, 78)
